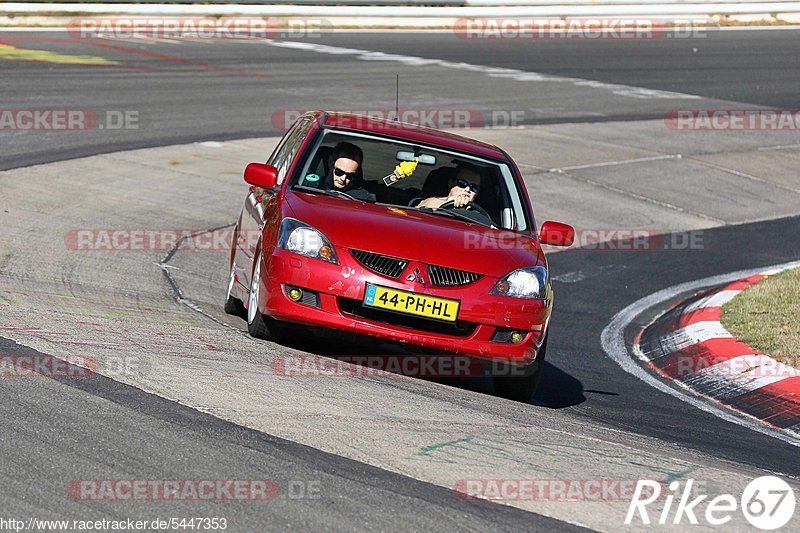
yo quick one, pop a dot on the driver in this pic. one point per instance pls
(346, 175)
(463, 188)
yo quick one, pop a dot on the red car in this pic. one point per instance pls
(397, 232)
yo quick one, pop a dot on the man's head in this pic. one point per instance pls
(346, 159)
(465, 180)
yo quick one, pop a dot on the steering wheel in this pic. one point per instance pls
(450, 204)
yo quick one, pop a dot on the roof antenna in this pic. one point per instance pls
(397, 99)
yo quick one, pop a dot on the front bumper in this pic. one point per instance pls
(341, 290)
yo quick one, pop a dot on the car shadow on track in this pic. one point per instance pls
(557, 389)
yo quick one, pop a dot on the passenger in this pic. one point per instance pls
(463, 188)
(346, 174)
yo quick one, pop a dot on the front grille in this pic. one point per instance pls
(459, 328)
(391, 267)
(450, 277)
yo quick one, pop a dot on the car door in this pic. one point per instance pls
(262, 208)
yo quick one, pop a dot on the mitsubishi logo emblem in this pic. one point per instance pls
(416, 277)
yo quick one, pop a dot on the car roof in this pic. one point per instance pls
(410, 132)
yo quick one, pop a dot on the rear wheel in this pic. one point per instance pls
(257, 324)
(522, 387)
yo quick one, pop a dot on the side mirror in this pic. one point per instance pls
(556, 234)
(261, 175)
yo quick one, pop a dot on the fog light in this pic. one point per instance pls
(509, 336)
(295, 294)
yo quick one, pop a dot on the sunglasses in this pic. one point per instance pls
(464, 184)
(339, 172)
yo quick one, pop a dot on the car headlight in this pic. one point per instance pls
(300, 238)
(528, 282)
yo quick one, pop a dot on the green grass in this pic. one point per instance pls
(767, 316)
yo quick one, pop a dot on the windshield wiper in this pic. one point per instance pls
(326, 192)
(454, 214)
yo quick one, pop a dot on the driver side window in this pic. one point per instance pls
(286, 153)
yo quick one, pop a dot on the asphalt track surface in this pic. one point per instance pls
(56, 425)
(135, 434)
(223, 90)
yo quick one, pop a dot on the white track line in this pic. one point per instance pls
(613, 342)
(616, 163)
(492, 72)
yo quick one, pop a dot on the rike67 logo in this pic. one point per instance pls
(767, 503)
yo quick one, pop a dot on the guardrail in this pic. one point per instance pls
(425, 10)
(496, 3)
(278, 2)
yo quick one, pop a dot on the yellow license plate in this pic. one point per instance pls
(411, 303)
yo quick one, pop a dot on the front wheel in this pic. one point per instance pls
(258, 325)
(233, 305)
(521, 388)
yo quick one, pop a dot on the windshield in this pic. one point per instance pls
(403, 174)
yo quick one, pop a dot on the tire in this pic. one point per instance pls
(522, 388)
(233, 306)
(258, 325)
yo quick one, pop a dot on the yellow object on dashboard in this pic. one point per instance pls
(406, 168)
(403, 170)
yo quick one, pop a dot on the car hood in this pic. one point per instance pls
(416, 236)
